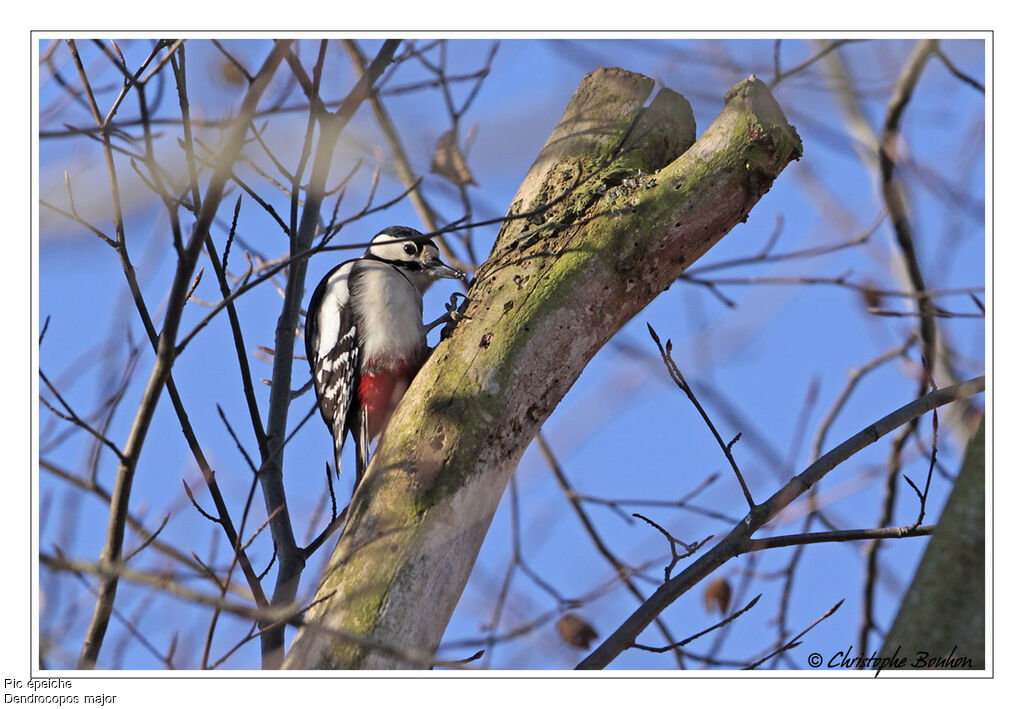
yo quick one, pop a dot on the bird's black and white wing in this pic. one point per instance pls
(332, 349)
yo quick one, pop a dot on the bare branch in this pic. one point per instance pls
(733, 543)
(845, 535)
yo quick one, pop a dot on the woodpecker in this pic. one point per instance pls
(365, 337)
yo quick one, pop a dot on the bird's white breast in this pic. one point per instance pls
(389, 315)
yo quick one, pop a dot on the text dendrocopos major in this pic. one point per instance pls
(365, 337)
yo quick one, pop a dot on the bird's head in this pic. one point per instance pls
(416, 255)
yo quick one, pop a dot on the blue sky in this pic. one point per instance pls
(623, 431)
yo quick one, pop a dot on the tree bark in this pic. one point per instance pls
(943, 611)
(618, 203)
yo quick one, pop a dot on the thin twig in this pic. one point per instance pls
(680, 381)
(688, 547)
(795, 641)
(690, 639)
(805, 64)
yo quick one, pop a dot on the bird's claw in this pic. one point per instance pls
(452, 308)
(451, 316)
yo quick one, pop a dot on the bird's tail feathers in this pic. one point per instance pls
(338, 429)
(337, 461)
(362, 446)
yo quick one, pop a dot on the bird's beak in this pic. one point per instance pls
(439, 269)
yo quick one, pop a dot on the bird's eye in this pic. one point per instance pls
(410, 249)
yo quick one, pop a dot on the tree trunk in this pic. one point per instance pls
(619, 202)
(943, 611)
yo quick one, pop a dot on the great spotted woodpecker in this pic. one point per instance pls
(365, 337)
